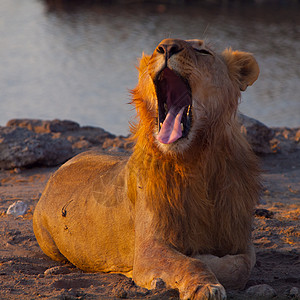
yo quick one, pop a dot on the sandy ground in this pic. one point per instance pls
(26, 273)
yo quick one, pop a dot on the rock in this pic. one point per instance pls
(119, 144)
(44, 126)
(67, 129)
(18, 208)
(261, 291)
(285, 140)
(82, 144)
(26, 142)
(21, 147)
(33, 142)
(87, 137)
(257, 134)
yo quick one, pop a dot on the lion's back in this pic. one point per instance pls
(76, 174)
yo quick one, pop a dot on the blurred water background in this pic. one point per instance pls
(76, 59)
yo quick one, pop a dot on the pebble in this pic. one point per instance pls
(261, 212)
(294, 292)
(18, 208)
(56, 270)
(261, 291)
(17, 170)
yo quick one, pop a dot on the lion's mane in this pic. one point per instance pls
(196, 198)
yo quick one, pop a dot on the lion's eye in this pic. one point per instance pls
(203, 51)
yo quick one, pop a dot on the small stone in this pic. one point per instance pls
(294, 292)
(17, 170)
(261, 291)
(261, 212)
(57, 270)
(18, 208)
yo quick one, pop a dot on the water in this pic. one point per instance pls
(78, 62)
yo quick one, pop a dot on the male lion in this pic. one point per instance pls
(180, 207)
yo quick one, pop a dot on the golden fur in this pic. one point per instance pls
(182, 211)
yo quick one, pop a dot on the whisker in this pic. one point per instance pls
(205, 30)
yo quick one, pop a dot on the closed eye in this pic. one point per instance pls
(203, 51)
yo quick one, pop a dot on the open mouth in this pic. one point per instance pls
(174, 107)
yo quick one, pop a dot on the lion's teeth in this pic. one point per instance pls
(181, 126)
(161, 124)
(189, 110)
(166, 107)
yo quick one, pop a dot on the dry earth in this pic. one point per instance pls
(26, 273)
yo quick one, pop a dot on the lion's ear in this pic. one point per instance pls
(242, 67)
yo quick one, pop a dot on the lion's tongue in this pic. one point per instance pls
(171, 128)
(175, 94)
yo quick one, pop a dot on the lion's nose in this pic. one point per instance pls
(168, 49)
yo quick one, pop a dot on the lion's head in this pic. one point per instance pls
(186, 90)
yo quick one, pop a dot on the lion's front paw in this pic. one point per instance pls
(210, 292)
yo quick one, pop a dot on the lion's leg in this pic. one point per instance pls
(154, 259)
(44, 238)
(233, 271)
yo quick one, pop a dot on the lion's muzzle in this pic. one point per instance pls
(173, 93)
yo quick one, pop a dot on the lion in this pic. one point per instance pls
(180, 208)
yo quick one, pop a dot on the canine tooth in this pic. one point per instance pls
(160, 124)
(188, 111)
(181, 126)
(166, 107)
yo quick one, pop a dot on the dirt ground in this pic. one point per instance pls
(26, 273)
